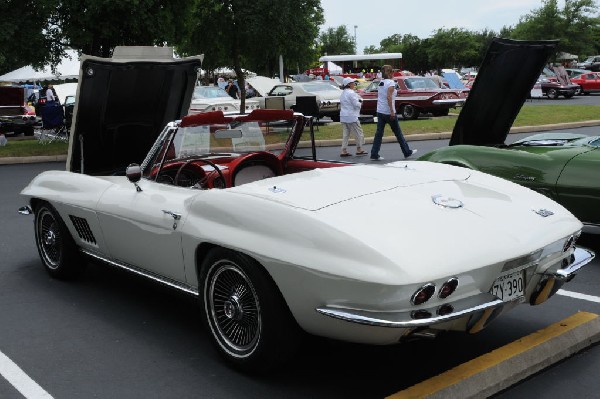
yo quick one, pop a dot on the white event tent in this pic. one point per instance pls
(67, 69)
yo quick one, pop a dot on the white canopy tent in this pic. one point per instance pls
(67, 69)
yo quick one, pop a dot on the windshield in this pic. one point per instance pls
(200, 140)
(218, 141)
(318, 87)
(210, 92)
(420, 83)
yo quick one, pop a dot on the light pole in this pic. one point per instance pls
(355, 47)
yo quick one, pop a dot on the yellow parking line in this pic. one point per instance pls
(473, 367)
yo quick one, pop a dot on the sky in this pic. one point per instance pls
(421, 19)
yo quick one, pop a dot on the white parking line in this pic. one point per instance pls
(577, 295)
(21, 381)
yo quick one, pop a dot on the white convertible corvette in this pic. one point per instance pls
(273, 243)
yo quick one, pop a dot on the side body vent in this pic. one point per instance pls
(83, 229)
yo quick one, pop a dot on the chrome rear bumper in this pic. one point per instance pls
(410, 319)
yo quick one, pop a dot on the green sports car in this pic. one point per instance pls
(563, 166)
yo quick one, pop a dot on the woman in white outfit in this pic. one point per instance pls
(350, 103)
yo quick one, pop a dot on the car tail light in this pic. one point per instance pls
(423, 294)
(448, 288)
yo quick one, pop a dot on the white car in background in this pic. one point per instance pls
(327, 95)
(213, 98)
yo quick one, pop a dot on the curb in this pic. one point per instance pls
(39, 159)
(337, 142)
(501, 368)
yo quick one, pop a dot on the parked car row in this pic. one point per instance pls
(416, 95)
(592, 63)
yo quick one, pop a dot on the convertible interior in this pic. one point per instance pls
(211, 150)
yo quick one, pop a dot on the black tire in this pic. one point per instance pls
(569, 95)
(56, 247)
(28, 131)
(409, 111)
(335, 118)
(553, 93)
(245, 313)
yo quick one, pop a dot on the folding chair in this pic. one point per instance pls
(307, 105)
(53, 125)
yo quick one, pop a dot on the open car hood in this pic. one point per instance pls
(123, 103)
(262, 84)
(508, 72)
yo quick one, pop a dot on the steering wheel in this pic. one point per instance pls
(203, 182)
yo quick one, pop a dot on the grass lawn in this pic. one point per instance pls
(26, 148)
(530, 115)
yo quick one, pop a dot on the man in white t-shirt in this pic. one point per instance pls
(386, 114)
(50, 98)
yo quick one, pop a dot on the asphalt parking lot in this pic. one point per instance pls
(113, 335)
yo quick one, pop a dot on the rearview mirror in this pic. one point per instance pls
(228, 134)
(134, 174)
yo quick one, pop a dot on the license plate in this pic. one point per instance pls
(509, 286)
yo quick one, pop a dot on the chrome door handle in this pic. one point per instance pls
(175, 216)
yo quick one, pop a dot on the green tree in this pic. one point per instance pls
(371, 50)
(336, 41)
(577, 26)
(23, 34)
(96, 26)
(236, 33)
(452, 48)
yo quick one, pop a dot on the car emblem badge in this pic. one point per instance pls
(543, 212)
(277, 190)
(446, 202)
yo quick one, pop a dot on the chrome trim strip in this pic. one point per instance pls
(450, 101)
(582, 257)
(462, 307)
(188, 289)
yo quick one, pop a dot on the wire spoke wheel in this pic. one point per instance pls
(49, 239)
(58, 251)
(233, 309)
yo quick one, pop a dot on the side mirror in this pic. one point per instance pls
(134, 174)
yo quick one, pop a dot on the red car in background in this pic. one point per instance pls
(416, 95)
(15, 115)
(589, 82)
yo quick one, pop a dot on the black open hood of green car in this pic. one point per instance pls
(122, 105)
(504, 81)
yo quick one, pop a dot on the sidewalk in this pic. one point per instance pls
(337, 142)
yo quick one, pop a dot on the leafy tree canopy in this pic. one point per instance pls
(575, 25)
(253, 34)
(21, 37)
(336, 41)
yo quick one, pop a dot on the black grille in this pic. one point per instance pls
(83, 229)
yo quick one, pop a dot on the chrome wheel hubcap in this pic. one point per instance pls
(49, 239)
(233, 308)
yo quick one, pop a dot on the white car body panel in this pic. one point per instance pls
(395, 225)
